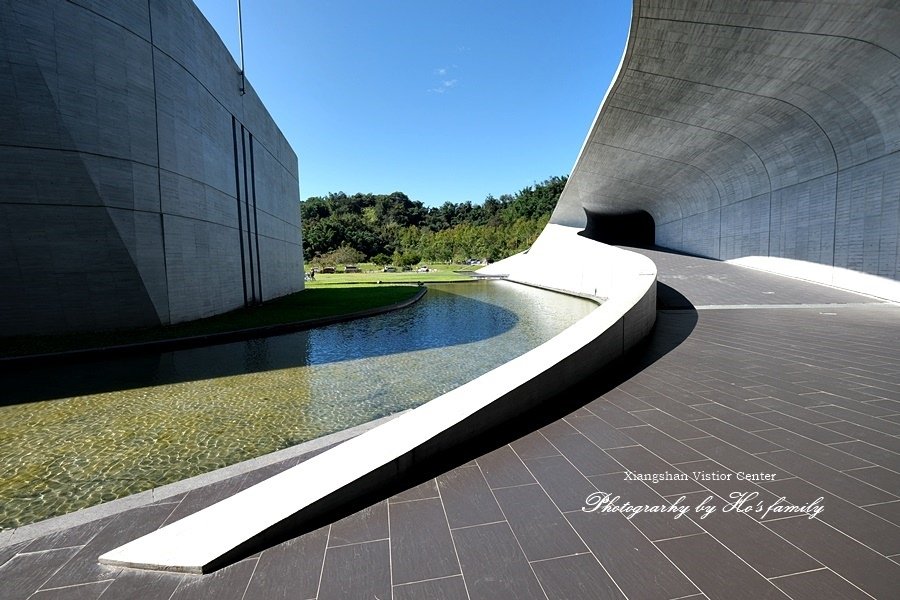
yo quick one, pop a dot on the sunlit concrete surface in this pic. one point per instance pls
(751, 128)
(137, 185)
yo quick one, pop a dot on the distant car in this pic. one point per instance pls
(327, 269)
(422, 270)
(390, 269)
(351, 269)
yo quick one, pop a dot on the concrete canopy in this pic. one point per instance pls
(753, 128)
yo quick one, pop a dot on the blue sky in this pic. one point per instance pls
(445, 100)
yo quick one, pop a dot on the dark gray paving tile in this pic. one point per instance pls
(827, 455)
(664, 446)
(737, 418)
(600, 432)
(533, 445)
(857, 404)
(225, 584)
(861, 419)
(502, 468)
(84, 568)
(889, 511)
(539, 527)
(735, 459)
(426, 489)
(717, 572)
(574, 577)
(819, 584)
(627, 396)
(563, 483)
(680, 409)
(739, 438)
(24, 573)
(724, 389)
(754, 543)
(493, 564)
(145, 585)
(467, 498)
(856, 522)
(851, 560)
(447, 588)
(612, 414)
(641, 461)
(882, 478)
(655, 526)
(634, 563)
(421, 546)
(357, 571)
(206, 496)
(678, 429)
(290, 569)
(774, 384)
(801, 427)
(870, 436)
(791, 410)
(865, 451)
(7, 552)
(558, 429)
(73, 536)
(892, 406)
(587, 458)
(369, 524)
(828, 479)
(85, 591)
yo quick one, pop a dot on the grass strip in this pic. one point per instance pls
(315, 302)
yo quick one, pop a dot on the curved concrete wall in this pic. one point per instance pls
(137, 185)
(753, 128)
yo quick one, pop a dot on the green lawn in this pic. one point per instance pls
(317, 301)
(371, 274)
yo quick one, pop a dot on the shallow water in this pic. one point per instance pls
(75, 436)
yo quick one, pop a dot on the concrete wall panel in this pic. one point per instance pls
(125, 171)
(783, 118)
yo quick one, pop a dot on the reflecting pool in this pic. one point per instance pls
(75, 436)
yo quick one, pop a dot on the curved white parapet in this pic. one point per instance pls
(560, 260)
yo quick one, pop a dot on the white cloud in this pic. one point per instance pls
(444, 86)
(445, 81)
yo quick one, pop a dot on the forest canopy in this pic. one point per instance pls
(393, 229)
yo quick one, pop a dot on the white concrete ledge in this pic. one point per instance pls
(560, 260)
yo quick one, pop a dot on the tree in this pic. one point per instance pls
(344, 255)
(393, 224)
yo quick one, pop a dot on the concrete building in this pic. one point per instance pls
(138, 185)
(737, 129)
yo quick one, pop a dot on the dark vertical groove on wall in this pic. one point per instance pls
(237, 194)
(255, 220)
(247, 205)
(162, 218)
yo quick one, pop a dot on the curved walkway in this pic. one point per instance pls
(746, 373)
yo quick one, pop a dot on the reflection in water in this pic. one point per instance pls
(119, 427)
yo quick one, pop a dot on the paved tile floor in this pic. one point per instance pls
(746, 373)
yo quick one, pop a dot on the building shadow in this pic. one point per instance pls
(441, 319)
